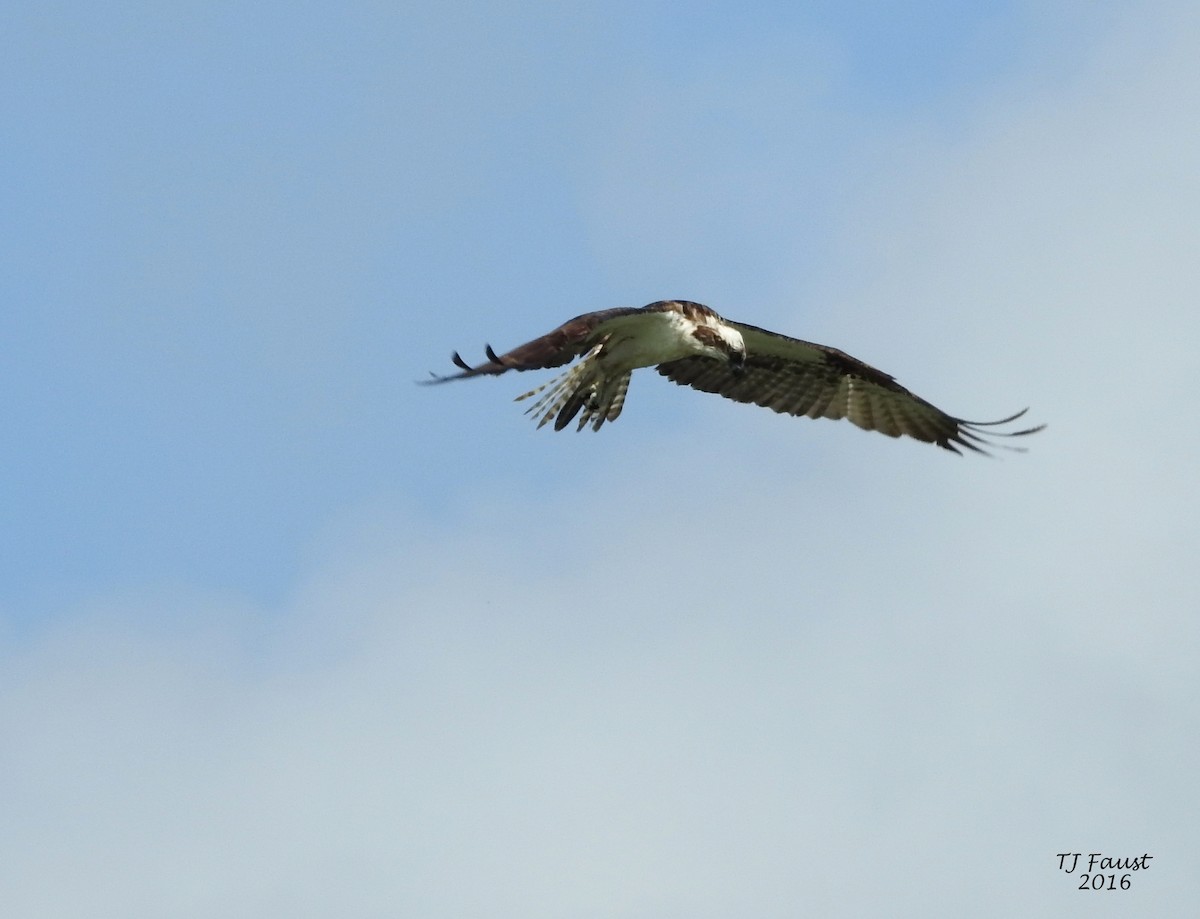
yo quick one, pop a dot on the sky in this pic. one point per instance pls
(283, 633)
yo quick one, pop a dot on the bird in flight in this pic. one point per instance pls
(691, 345)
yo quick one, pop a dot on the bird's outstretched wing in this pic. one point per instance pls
(797, 377)
(553, 349)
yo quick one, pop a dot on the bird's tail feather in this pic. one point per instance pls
(583, 390)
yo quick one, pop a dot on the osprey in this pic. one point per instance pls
(690, 344)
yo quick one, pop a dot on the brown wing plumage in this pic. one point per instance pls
(797, 377)
(553, 349)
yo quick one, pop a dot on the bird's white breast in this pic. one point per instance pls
(655, 338)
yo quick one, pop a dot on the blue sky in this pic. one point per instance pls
(283, 633)
(241, 233)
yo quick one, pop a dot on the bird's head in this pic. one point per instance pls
(734, 348)
(737, 360)
(720, 341)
